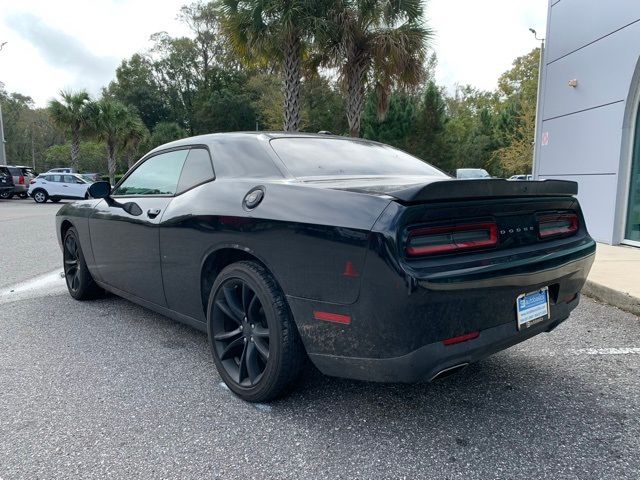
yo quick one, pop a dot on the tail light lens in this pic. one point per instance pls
(448, 239)
(557, 225)
(21, 180)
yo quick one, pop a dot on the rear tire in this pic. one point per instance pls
(253, 339)
(54, 200)
(24, 195)
(80, 283)
(6, 195)
(40, 196)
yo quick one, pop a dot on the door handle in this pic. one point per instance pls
(153, 212)
(65, 186)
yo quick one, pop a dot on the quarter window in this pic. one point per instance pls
(158, 175)
(197, 169)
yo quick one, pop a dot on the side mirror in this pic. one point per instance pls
(100, 190)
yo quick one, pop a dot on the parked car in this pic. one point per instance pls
(21, 177)
(56, 186)
(367, 260)
(62, 170)
(467, 173)
(6, 183)
(521, 177)
(91, 177)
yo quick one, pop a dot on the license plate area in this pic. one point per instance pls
(532, 308)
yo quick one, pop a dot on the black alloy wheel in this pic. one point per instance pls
(80, 283)
(241, 329)
(71, 263)
(253, 338)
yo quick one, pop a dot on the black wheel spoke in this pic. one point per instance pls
(260, 331)
(231, 296)
(252, 310)
(228, 335)
(253, 370)
(247, 298)
(261, 347)
(242, 372)
(228, 311)
(231, 347)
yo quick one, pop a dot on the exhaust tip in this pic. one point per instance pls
(449, 371)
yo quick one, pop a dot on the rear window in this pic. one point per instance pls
(16, 172)
(321, 157)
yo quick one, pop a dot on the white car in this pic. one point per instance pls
(56, 186)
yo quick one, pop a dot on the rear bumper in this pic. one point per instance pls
(397, 325)
(426, 362)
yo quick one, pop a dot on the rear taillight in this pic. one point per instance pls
(453, 238)
(557, 225)
(21, 180)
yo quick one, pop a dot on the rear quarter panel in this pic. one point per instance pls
(313, 240)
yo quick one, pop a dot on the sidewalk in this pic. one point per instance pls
(615, 277)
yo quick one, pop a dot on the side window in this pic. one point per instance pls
(197, 169)
(69, 179)
(158, 175)
(56, 178)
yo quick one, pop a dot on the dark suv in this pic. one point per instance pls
(6, 182)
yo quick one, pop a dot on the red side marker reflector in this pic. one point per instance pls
(461, 338)
(332, 317)
(349, 270)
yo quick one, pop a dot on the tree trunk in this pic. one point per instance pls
(129, 156)
(111, 161)
(292, 54)
(355, 74)
(75, 147)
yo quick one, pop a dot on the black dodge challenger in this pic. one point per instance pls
(368, 261)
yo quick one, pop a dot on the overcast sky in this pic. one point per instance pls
(78, 44)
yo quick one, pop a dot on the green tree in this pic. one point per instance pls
(397, 126)
(133, 135)
(518, 90)
(264, 32)
(92, 157)
(110, 120)
(166, 132)
(136, 87)
(375, 45)
(71, 114)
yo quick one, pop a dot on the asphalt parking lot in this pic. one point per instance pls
(109, 389)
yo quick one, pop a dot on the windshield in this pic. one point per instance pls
(330, 157)
(472, 173)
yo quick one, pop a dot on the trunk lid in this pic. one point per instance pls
(406, 189)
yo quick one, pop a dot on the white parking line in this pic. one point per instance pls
(51, 283)
(606, 351)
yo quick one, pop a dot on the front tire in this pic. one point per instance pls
(54, 200)
(6, 195)
(40, 196)
(80, 283)
(253, 338)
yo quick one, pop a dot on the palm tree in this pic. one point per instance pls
(134, 133)
(265, 31)
(71, 113)
(374, 44)
(110, 120)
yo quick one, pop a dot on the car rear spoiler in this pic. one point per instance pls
(489, 188)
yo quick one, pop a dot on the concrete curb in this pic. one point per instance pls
(622, 300)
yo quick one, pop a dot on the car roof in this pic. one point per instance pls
(259, 135)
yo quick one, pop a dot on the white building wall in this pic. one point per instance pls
(581, 137)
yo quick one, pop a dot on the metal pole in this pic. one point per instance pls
(3, 153)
